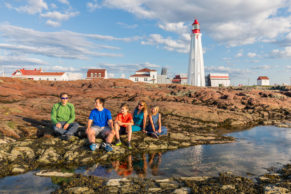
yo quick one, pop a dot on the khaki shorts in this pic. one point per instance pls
(101, 131)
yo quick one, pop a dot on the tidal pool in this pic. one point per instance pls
(256, 150)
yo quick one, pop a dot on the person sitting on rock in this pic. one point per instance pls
(155, 127)
(140, 117)
(123, 123)
(100, 123)
(63, 117)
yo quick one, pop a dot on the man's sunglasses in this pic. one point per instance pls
(140, 104)
(64, 98)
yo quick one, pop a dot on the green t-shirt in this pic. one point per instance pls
(63, 113)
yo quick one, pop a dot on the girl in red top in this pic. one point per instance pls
(123, 123)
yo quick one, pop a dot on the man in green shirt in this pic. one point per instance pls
(63, 117)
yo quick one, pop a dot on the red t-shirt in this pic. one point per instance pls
(124, 119)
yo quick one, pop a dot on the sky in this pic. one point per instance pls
(243, 38)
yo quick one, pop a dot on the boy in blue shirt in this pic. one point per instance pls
(100, 123)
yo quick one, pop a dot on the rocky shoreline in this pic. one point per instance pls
(194, 116)
(275, 182)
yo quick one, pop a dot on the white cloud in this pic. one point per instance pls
(288, 66)
(262, 67)
(63, 44)
(59, 16)
(32, 7)
(251, 55)
(123, 76)
(60, 68)
(92, 6)
(111, 75)
(167, 43)
(127, 25)
(126, 68)
(53, 23)
(64, 2)
(239, 54)
(20, 59)
(286, 52)
(232, 71)
(54, 6)
(230, 22)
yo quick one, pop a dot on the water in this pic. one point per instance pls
(26, 183)
(256, 150)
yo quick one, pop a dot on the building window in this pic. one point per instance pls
(39, 78)
(145, 79)
(91, 74)
(136, 79)
(47, 79)
(95, 74)
(55, 79)
(99, 74)
(154, 76)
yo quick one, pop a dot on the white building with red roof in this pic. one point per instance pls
(217, 80)
(263, 81)
(38, 74)
(180, 79)
(145, 75)
(96, 73)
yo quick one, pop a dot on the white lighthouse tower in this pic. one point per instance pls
(196, 73)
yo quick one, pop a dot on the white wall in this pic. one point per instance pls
(263, 82)
(217, 82)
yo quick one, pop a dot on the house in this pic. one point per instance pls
(180, 79)
(217, 79)
(145, 75)
(96, 73)
(263, 81)
(38, 74)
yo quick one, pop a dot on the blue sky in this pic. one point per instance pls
(244, 38)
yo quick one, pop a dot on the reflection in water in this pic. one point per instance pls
(256, 150)
(136, 165)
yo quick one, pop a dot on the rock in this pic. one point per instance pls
(154, 190)
(86, 160)
(115, 182)
(225, 187)
(77, 190)
(71, 155)
(274, 189)
(54, 174)
(198, 178)
(183, 190)
(179, 136)
(23, 152)
(18, 170)
(49, 156)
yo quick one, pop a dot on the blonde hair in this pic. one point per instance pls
(145, 108)
(157, 107)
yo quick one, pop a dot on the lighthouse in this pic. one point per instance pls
(196, 73)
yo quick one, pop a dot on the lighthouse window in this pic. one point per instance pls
(136, 79)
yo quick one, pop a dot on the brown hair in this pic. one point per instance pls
(64, 93)
(125, 105)
(101, 100)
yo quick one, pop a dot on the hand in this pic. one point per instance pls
(144, 130)
(66, 126)
(160, 130)
(59, 125)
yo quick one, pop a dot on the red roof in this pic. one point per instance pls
(263, 77)
(37, 72)
(97, 71)
(195, 22)
(140, 75)
(176, 80)
(145, 70)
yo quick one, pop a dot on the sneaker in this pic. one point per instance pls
(103, 145)
(129, 146)
(93, 146)
(108, 147)
(118, 143)
(154, 135)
